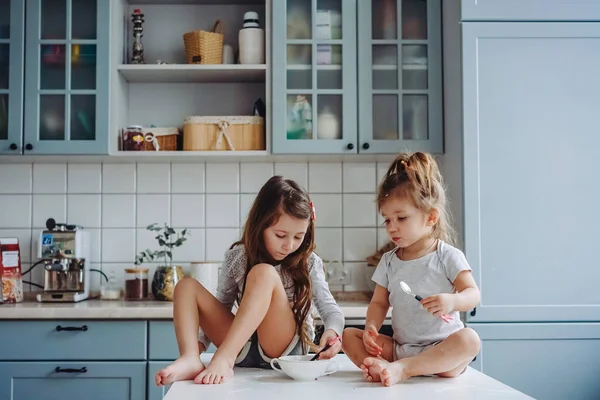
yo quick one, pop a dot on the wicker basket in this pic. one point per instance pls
(202, 47)
(163, 138)
(223, 133)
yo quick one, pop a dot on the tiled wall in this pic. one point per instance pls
(115, 202)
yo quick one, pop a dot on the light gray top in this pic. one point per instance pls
(231, 281)
(434, 273)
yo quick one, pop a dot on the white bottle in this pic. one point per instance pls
(251, 40)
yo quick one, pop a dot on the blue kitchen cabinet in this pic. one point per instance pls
(66, 77)
(400, 76)
(544, 360)
(154, 392)
(530, 107)
(314, 76)
(58, 380)
(530, 10)
(12, 39)
(337, 84)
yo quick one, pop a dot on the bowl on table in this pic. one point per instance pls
(301, 368)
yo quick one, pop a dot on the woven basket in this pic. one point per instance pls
(202, 47)
(166, 139)
(223, 133)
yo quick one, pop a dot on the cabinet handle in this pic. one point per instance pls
(13, 146)
(366, 146)
(28, 146)
(81, 370)
(71, 328)
(474, 312)
(350, 146)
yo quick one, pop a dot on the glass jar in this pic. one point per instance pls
(136, 283)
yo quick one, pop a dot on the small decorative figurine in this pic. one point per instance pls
(138, 49)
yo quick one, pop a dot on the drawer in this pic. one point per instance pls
(163, 343)
(73, 340)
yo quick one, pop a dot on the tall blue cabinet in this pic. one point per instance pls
(54, 77)
(530, 105)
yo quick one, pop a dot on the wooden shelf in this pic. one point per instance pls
(198, 2)
(160, 73)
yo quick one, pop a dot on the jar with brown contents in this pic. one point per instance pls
(136, 283)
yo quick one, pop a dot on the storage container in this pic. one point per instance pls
(223, 133)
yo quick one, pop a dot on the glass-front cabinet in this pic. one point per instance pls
(67, 77)
(314, 76)
(12, 14)
(400, 76)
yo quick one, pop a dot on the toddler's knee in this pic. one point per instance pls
(350, 335)
(470, 340)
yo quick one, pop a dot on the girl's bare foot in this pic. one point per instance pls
(217, 371)
(368, 372)
(389, 373)
(184, 368)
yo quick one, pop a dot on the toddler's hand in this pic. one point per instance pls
(369, 335)
(439, 304)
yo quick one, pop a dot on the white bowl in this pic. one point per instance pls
(301, 368)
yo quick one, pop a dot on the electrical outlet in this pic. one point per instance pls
(337, 274)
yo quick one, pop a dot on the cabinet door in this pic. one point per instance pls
(545, 361)
(314, 76)
(12, 14)
(400, 76)
(530, 10)
(154, 392)
(530, 104)
(60, 380)
(67, 77)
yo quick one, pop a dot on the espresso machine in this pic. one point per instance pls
(65, 251)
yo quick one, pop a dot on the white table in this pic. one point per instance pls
(347, 384)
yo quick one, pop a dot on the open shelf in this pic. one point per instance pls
(196, 2)
(162, 73)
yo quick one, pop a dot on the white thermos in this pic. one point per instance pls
(251, 40)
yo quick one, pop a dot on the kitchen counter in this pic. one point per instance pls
(120, 309)
(347, 383)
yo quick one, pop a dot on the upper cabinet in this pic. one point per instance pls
(530, 10)
(11, 75)
(342, 86)
(67, 77)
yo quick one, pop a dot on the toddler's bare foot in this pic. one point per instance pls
(217, 371)
(184, 368)
(367, 368)
(389, 373)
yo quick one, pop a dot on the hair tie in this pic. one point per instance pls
(313, 215)
(405, 163)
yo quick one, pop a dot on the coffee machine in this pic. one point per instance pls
(65, 251)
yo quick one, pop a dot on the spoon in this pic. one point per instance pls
(406, 289)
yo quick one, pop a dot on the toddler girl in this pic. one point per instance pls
(275, 277)
(429, 337)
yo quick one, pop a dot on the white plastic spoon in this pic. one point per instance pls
(406, 289)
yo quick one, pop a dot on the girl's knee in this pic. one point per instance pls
(262, 271)
(186, 286)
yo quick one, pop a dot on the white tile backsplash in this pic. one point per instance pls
(118, 210)
(153, 178)
(297, 172)
(84, 178)
(49, 178)
(118, 178)
(187, 178)
(115, 202)
(254, 175)
(16, 179)
(325, 177)
(223, 178)
(85, 210)
(49, 206)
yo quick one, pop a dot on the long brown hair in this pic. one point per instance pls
(417, 178)
(280, 196)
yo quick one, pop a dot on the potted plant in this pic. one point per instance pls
(166, 275)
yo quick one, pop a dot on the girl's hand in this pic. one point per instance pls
(329, 336)
(439, 304)
(369, 335)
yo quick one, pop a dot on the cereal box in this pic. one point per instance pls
(10, 265)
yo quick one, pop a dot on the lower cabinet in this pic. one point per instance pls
(56, 380)
(543, 360)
